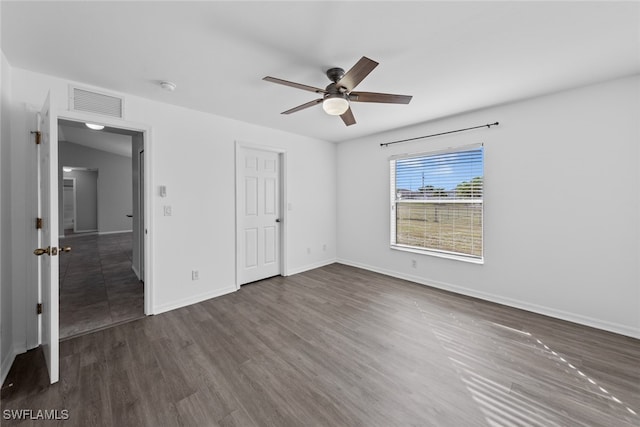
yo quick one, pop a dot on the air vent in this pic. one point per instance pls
(94, 102)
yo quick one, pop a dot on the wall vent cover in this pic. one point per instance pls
(95, 102)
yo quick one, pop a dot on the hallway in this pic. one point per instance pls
(98, 288)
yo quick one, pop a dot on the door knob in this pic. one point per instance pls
(41, 251)
(52, 251)
(277, 219)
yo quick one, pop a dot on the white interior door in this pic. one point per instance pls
(48, 211)
(258, 212)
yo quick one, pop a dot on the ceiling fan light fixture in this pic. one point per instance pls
(335, 104)
(94, 126)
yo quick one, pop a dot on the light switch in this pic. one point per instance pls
(163, 191)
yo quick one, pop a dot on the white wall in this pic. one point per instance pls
(192, 154)
(6, 295)
(114, 184)
(562, 195)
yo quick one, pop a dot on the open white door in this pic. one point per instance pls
(48, 212)
(258, 214)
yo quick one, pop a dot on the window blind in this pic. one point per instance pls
(437, 202)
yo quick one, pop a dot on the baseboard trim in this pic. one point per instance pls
(510, 302)
(80, 233)
(5, 367)
(308, 267)
(194, 299)
(135, 271)
(102, 233)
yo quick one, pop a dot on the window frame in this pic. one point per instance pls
(394, 201)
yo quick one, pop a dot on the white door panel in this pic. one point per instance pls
(251, 196)
(270, 196)
(270, 255)
(251, 248)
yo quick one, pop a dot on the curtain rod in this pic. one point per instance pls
(488, 126)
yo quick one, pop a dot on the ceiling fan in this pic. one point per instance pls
(338, 95)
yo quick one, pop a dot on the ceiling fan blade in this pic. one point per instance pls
(387, 98)
(293, 84)
(303, 106)
(357, 73)
(347, 117)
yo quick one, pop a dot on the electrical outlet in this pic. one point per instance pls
(167, 210)
(324, 247)
(195, 275)
(414, 263)
(308, 251)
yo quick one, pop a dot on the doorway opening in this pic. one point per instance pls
(101, 217)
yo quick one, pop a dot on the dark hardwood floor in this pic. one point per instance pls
(338, 346)
(97, 286)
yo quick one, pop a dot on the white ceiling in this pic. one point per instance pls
(451, 56)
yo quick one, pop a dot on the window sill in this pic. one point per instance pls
(438, 254)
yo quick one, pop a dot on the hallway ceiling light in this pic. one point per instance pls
(94, 127)
(66, 169)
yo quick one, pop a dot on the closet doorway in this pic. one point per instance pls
(79, 200)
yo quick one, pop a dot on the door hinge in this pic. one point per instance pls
(39, 308)
(38, 135)
(38, 223)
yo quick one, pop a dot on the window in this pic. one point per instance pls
(437, 203)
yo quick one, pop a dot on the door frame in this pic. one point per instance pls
(149, 297)
(141, 201)
(33, 324)
(284, 224)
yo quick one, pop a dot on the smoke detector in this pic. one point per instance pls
(168, 86)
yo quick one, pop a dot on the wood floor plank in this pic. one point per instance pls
(337, 346)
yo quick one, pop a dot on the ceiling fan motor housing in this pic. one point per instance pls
(334, 89)
(335, 74)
